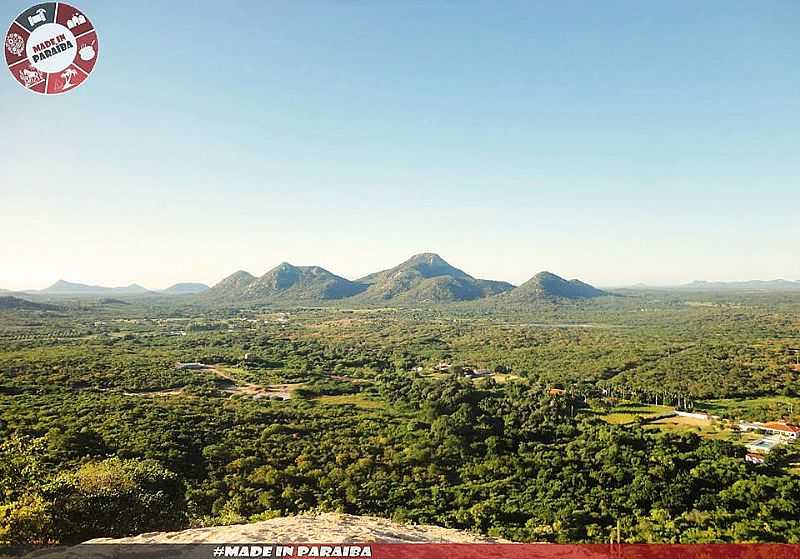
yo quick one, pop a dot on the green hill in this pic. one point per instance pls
(301, 283)
(426, 278)
(185, 288)
(546, 285)
(285, 282)
(9, 302)
(230, 287)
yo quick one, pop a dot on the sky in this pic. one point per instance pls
(617, 141)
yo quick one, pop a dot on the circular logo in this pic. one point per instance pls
(51, 48)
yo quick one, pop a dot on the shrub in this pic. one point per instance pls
(115, 498)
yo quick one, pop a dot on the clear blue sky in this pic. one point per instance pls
(617, 142)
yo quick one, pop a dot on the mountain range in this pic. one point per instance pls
(423, 278)
(751, 285)
(62, 287)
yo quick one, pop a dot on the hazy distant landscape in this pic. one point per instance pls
(423, 278)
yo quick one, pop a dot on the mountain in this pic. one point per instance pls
(426, 278)
(306, 283)
(9, 302)
(231, 285)
(132, 289)
(65, 287)
(548, 286)
(62, 287)
(185, 288)
(751, 285)
(287, 283)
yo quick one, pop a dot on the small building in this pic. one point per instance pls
(785, 430)
(556, 392)
(442, 367)
(754, 458)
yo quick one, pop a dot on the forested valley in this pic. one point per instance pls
(553, 423)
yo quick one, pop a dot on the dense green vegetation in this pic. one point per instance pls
(101, 434)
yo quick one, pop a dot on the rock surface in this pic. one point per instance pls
(311, 528)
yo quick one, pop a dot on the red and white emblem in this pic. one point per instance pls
(51, 48)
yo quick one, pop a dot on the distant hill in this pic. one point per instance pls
(425, 278)
(8, 302)
(185, 288)
(232, 285)
(286, 282)
(548, 286)
(301, 283)
(62, 287)
(751, 285)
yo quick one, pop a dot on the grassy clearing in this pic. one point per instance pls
(620, 418)
(623, 414)
(502, 378)
(678, 424)
(708, 429)
(350, 399)
(766, 408)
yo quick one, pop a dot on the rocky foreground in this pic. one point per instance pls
(311, 528)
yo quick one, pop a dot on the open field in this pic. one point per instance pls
(622, 414)
(350, 400)
(707, 429)
(679, 424)
(762, 408)
(502, 378)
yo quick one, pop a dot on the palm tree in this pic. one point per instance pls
(67, 75)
